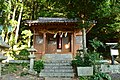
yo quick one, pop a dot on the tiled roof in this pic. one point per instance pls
(52, 20)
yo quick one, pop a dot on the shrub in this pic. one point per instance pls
(13, 54)
(100, 76)
(11, 68)
(90, 59)
(82, 61)
(38, 65)
(23, 55)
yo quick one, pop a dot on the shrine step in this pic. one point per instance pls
(58, 61)
(54, 74)
(49, 78)
(57, 65)
(48, 57)
(58, 70)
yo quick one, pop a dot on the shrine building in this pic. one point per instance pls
(55, 35)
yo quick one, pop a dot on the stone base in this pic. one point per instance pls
(50, 78)
(1, 78)
(32, 72)
(42, 78)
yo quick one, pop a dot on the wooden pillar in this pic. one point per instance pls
(73, 44)
(44, 42)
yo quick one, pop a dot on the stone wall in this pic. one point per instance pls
(110, 68)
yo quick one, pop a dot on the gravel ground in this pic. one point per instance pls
(14, 77)
(30, 77)
(115, 76)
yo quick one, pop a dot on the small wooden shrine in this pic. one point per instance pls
(55, 35)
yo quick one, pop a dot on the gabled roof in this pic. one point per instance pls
(65, 22)
(52, 20)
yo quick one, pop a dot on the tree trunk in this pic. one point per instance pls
(18, 25)
(84, 41)
(15, 8)
(7, 23)
(14, 26)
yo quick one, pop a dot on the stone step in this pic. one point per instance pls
(57, 70)
(57, 75)
(57, 61)
(57, 64)
(49, 78)
(58, 56)
(57, 67)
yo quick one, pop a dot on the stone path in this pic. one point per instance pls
(13, 77)
(30, 77)
(48, 78)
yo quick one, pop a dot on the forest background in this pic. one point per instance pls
(14, 13)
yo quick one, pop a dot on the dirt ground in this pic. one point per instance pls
(115, 76)
(15, 77)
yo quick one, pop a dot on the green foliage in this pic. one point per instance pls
(24, 65)
(96, 76)
(11, 68)
(94, 57)
(78, 61)
(84, 78)
(104, 11)
(38, 66)
(96, 44)
(115, 27)
(89, 59)
(100, 76)
(13, 23)
(26, 37)
(12, 54)
(26, 33)
(23, 55)
(107, 26)
(24, 73)
(18, 69)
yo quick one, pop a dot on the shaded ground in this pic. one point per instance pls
(15, 77)
(115, 76)
(31, 77)
(18, 72)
